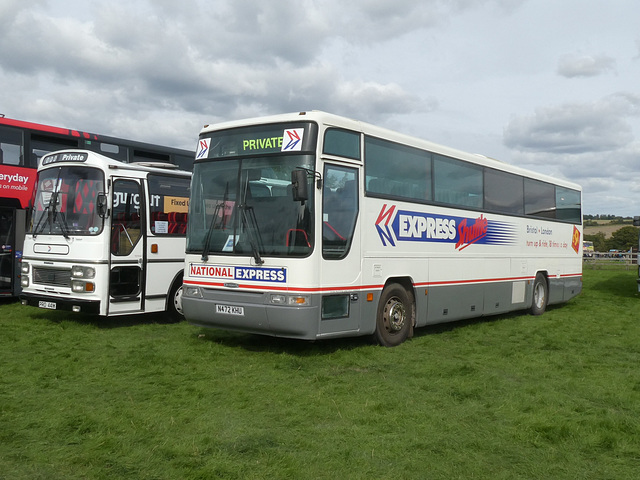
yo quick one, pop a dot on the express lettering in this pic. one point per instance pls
(406, 226)
(422, 227)
(261, 274)
(255, 274)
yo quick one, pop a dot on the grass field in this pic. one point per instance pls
(508, 397)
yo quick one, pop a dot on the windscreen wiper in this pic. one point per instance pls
(249, 218)
(250, 224)
(219, 210)
(44, 212)
(51, 212)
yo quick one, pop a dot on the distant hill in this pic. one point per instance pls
(605, 226)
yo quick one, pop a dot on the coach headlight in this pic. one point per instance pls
(193, 292)
(293, 300)
(24, 268)
(79, 271)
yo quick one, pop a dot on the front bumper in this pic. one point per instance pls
(56, 303)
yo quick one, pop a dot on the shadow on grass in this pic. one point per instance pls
(278, 345)
(120, 321)
(263, 343)
(7, 300)
(249, 342)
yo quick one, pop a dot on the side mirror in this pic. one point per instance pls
(101, 205)
(299, 183)
(636, 221)
(254, 174)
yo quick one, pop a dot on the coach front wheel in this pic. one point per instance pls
(395, 317)
(174, 302)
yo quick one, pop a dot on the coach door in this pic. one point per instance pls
(340, 251)
(126, 280)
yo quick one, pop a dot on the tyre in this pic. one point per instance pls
(174, 302)
(540, 295)
(395, 317)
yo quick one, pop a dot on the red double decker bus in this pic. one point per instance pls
(22, 145)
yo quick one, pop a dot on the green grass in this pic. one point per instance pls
(508, 397)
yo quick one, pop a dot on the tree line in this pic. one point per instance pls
(609, 218)
(622, 239)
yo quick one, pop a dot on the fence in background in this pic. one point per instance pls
(626, 260)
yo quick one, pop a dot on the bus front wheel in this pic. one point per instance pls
(396, 312)
(540, 295)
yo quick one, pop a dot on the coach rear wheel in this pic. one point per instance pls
(540, 295)
(394, 321)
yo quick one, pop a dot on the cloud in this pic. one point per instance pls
(574, 65)
(575, 128)
(233, 59)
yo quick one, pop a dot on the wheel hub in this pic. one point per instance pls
(395, 315)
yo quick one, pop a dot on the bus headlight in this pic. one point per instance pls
(24, 268)
(80, 286)
(294, 300)
(24, 281)
(79, 271)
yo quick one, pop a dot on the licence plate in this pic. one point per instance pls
(49, 305)
(230, 310)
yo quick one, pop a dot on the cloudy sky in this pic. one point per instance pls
(549, 85)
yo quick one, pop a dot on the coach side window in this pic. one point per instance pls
(539, 199)
(568, 205)
(503, 192)
(343, 143)
(457, 183)
(395, 170)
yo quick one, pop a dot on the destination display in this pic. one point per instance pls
(65, 157)
(258, 140)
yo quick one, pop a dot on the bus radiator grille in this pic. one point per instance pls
(52, 276)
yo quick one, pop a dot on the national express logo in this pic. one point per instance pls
(404, 226)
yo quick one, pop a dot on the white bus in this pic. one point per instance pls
(106, 237)
(315, 226)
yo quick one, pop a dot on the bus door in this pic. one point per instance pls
(341, 250)
(7, 246)
(126, 258)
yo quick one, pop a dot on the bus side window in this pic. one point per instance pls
(10, 146)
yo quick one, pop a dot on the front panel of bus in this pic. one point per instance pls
(65, 252)
(106, 238)
(271, 234)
